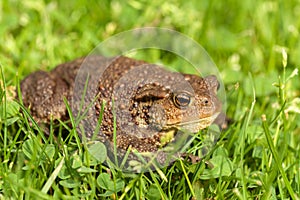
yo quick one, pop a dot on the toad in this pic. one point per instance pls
(141, 102)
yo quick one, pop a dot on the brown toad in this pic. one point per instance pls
(147, 101)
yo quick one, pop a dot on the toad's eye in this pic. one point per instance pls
(182, 100)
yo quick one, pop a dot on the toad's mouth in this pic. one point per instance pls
(194, 125)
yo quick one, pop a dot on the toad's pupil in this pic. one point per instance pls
(182, 100)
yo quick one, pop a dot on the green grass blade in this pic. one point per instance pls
(277, 160)
(52, 177)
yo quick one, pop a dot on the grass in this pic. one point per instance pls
(254, 44)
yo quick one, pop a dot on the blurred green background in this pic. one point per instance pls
(240, 36)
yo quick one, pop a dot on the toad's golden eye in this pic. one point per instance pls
(182, 100)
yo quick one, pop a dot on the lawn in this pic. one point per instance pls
(254, 44)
